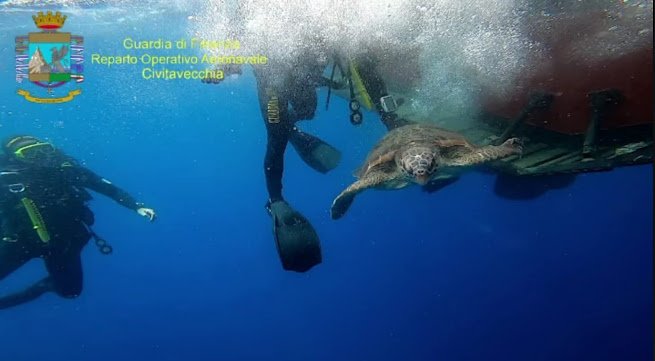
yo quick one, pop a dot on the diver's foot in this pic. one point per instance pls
(29, 294)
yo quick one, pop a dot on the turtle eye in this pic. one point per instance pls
(433, 166)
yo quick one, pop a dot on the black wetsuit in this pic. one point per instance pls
(60, 195)
(286, 97)
(282, 104)
(376, 89)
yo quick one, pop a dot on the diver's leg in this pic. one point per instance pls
(29, 294)
(13, 255)
(315, 152)
(65, 279)
(377, 89)
(274, 109)
(66, 273)
(296, 240)
(65, 264)
(276, 144)
(304, 102)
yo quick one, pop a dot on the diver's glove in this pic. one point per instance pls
(147, 212)
(227, 70)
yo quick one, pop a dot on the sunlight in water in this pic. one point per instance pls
(444, 50)
(441, 53)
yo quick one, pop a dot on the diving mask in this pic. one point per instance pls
(34, 151)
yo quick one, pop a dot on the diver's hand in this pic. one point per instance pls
(147, 212)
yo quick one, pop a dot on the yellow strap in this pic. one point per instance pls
(36, 218)
(359, 85)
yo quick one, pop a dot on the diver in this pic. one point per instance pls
(44, 214)
(287, 94)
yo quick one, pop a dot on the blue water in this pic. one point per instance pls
(461, 274)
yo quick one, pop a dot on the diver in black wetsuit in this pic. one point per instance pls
(287, 94)
(43, 214)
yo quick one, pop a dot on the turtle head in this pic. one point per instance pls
(418, 163)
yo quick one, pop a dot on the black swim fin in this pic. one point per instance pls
(29, 294)
(319, 155)
(297, 242)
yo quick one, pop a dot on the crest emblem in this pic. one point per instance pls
(50, 60)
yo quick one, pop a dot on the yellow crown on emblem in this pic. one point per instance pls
(49, 21)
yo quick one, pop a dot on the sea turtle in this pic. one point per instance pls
(413, 154)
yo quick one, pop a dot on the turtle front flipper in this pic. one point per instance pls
(366, 167)
(341, 204)
(484, 154)
(384, 158)
(443, 143)
(344, 200)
